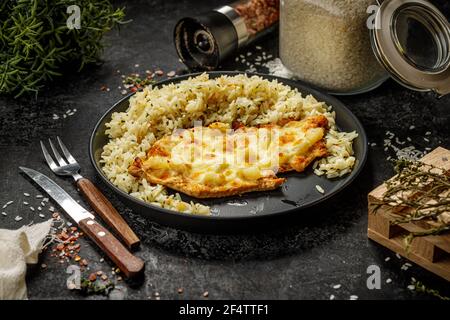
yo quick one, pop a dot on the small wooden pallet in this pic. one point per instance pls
(430, 252)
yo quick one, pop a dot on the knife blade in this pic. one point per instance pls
(116, 251)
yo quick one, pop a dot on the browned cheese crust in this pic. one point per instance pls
(179, 182)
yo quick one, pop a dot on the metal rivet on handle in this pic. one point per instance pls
(101, 234)
(90, 222)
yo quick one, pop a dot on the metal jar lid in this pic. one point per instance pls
(411, 39)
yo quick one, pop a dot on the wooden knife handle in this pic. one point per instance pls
(107, 212)
(129, 264)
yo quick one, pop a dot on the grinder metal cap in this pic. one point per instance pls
(411, 39)
(202, 42)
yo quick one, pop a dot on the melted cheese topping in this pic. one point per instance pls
(219, 156)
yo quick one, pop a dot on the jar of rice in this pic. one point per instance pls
(327, 43)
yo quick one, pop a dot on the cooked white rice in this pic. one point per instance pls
(155, 112)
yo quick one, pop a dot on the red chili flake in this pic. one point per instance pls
(103, 88)
(92, 277)
(73, 229)
(63, 236)
(60, 247)
(84, 262)
(133, 89)
(72, 247)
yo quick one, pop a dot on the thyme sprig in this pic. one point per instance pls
(419, 192)
(89, 287)
(36, 45)
(422, 288)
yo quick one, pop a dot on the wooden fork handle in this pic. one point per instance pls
(107, 212)
(129, 264)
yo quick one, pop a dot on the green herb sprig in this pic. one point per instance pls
(96, 287)
(36, 45)
(422, 288)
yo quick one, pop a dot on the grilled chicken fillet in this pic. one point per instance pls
(215, 161)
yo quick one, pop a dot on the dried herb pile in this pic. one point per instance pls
(36, 45)
(420, 193)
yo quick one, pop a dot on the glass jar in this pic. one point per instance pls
(327, 43)
(257, 15)
(352, 46)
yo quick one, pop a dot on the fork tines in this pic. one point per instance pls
(61, 161)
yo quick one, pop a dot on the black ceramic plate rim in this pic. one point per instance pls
(306, 87)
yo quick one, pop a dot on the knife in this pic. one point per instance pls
(127, 262)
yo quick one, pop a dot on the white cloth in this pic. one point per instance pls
(17, 248)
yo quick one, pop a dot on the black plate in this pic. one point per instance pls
(298, 192)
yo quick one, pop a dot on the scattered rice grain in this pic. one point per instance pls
(337, 286)
(320, 189)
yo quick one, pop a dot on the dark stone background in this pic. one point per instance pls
(302, 260)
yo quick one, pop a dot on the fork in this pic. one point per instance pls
(101, 205)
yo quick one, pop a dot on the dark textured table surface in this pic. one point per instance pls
(301, 260)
